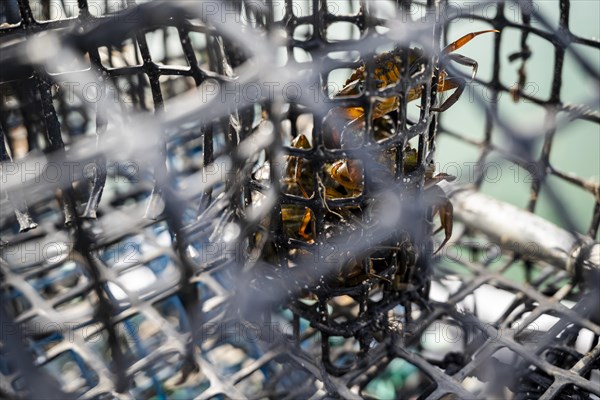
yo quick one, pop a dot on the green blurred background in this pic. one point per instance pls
(576, 145)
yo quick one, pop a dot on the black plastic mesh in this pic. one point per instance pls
(156, 242)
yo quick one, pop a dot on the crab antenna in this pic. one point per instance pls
(457, 44)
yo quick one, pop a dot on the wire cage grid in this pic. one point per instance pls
(175, 331)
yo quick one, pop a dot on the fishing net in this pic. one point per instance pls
(252, 199)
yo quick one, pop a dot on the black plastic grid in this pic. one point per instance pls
(192, 312)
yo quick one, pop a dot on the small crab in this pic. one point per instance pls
(349, 173)
(343, 125)
(387, 72)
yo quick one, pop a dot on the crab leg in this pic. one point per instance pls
(440, 204)
(466, 61)
(457, 44)
(448, 84)
(443, 206)
(446, 219)
(306, 219)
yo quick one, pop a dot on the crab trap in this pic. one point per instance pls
(299, 199)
